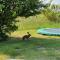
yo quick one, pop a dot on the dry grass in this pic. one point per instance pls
(33, 33)
(3, 57)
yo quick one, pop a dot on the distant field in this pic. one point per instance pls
(35, 22)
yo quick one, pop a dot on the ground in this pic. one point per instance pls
(39, 47)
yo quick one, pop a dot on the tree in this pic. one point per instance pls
(51, 12)
(29, 7)
(52, 15)
(10, 9)
(7, 15)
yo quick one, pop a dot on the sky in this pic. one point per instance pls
(54, 1)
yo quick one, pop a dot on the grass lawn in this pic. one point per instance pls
(39, 47)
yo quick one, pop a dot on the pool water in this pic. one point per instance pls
(49, 31)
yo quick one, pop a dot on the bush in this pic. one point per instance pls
(51, 15)
(3, 36)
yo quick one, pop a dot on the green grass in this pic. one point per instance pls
(34, 49)
(39, 47)
(35, 22)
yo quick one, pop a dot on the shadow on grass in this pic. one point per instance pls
(32, 40)
(15, 46)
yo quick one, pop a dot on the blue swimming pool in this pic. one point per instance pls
(49, 31)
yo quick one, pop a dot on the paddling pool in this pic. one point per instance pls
(49, 31)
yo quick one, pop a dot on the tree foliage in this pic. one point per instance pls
(52, 12)
(29, 7)
(51, 15)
